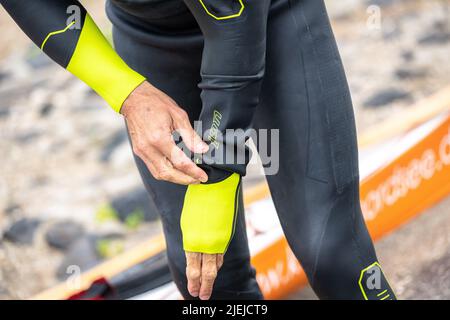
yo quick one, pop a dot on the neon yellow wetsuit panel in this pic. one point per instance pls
(209, 215)
(66, 33)
(97, 64)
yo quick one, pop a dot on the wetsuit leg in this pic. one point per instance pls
(316, 191)
(164, 43)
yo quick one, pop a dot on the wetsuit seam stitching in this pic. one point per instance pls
(352, 218)
(322, 236)
(305, 84)
(353, 221)
(73, 46)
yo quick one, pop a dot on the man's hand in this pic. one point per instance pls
(201, 272)
(152, 117)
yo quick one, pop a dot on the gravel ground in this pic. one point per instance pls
(65, 156)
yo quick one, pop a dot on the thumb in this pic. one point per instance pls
(192, 140)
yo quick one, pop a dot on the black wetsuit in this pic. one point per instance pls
(266, 64)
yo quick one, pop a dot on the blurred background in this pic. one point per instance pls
(69, 190)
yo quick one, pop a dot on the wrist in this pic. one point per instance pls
(132, 101)
(96, 63)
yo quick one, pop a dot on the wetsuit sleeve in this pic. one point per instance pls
(67, 34)
(232, 71)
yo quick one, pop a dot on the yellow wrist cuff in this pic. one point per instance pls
(96, 63)
(209, 215)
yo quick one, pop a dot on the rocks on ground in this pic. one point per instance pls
(22, 231)
(386, 96)
(81, 256)
(63, 234)
(88, 251)
(135, 204)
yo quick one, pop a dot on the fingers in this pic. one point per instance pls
(168, 161)
(201, 273)
(208, 275)
(219, 261)
(152, 116)
(193, 272)
(180, 161)
(162, 169)
(166, 172)
(192, 140)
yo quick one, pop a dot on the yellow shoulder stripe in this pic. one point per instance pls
(238, 14)
(55, 33)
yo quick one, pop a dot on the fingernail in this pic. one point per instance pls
(204, 297)
(203, 179)
(203, 147)
(194, 294)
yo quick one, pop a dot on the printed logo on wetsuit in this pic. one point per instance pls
(214, 131)
(224, 9)
(373, 284)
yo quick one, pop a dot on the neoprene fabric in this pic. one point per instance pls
(237, 64)
(305, 95)
(209, 215)
(76, 44)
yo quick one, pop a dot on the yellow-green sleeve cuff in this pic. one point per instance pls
(96, 63)
(209, 215)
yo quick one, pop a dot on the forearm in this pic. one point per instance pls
(75, 43)
(232, 72)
